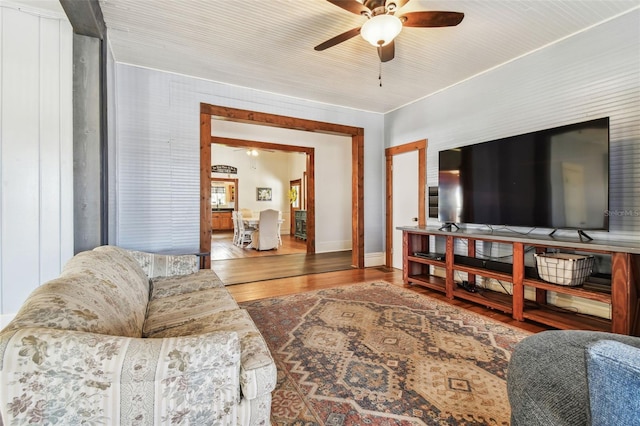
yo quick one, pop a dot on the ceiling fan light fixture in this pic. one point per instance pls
(252, 152)
(380, 30)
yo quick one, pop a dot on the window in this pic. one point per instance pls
(218, 195)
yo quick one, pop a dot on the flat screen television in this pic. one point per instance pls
(555, 178)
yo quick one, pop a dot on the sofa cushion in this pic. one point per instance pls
(257, 368)
(159, 265)
(59, 377)
(100, 291)
(172, 311)
(613, 371)
(76, 302)
(114, 265)
(547, 377)
(178, 285)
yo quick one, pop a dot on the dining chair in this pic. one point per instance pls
(267, 236)
(234, 217)
(245, 233)
(246, 213)
(279, 223)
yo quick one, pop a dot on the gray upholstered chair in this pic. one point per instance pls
(575, 378)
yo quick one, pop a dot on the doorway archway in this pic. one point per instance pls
(208, 111)
(421, 147)
(310, 167)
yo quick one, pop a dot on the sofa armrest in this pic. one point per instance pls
(166, 265)
(69, 377)
(613, 371)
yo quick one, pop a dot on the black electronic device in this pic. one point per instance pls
(466, 285)
(494, 265)
(475, 262)
(432, 256)
(555, 178)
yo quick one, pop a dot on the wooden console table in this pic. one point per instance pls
(621, 291)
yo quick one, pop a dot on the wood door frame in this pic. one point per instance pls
(208, 111)
(303, 191)
(421, 147)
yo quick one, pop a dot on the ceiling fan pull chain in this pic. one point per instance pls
(380, 72)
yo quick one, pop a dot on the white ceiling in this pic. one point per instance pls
(268, 44)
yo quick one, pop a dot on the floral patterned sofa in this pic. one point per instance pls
(126, 337)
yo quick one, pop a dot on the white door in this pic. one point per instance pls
(405, 198)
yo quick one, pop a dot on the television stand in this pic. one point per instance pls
(583, 235)
(448, 226)
(426, 264)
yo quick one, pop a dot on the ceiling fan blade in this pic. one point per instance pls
(398, 3)
(352, 6)
(386, 53)
(431, 19)
(338, 39)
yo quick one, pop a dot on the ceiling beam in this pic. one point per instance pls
(85, 17)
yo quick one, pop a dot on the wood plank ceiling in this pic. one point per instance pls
(268, 44)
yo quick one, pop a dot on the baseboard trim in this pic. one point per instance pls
(374, 259)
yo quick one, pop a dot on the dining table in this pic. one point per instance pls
(254, 221)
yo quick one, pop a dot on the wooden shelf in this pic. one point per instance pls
(557, 318)
(598, 296)
(621, 292)
(488, 298)
(429, 281)
(426, 261)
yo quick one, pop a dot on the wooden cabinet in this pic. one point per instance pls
(221, 221)
(300, 224)
(440, 260)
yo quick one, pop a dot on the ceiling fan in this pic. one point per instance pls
(383, 25)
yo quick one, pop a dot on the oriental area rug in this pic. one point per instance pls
(379, 354)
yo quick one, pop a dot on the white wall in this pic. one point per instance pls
(332, 176)
(158, 149)
(36, 151)
(590, 75)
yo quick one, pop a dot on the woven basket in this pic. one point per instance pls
(564, 268)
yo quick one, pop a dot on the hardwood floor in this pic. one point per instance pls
(234, 271)
(235, 264)
(285, 286)
(222, 247)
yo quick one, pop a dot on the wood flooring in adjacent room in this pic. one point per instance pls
(235, 264)
(222, 247)
(234, 271)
